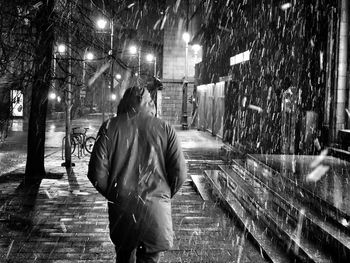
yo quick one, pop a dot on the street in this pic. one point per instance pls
(66, 220)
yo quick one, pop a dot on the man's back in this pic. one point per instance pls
(143, 156)
(138, 165)
(142, 168)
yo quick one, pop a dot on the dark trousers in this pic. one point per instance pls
(125, 255)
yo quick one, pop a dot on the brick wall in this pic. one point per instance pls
(171, 108)
(174, 53)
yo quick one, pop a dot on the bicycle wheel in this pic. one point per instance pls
(72, 144)
(89, 144)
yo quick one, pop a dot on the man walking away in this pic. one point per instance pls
(138, 165)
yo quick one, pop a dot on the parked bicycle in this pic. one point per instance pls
(79, 141)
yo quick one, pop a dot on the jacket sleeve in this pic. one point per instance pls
(174, 162)
(98, 172)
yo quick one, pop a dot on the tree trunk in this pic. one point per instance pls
(35, 169)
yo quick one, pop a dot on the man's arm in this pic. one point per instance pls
(175, 162)
(98, 166)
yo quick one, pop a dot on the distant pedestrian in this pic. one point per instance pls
(138, 165)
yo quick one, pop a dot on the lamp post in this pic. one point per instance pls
(111, 87)
(133, 51)
(186, 38)
(156, 84)
(68, 101)
(150, 58)
(60, 49)
(52, 97)
(116, 93)
(139, 53)
(88, 56)
(102, 24)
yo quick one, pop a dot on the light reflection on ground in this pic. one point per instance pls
(333, 187)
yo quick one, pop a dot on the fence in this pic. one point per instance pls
(211, 107)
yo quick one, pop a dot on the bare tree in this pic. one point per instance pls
(30, 31)
(41, 82)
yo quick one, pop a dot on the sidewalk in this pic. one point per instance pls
(66, 220)
(14, 149)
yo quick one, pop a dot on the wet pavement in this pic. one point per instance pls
(333, 186)
(13, 151)
(307, 218)
(65, 220)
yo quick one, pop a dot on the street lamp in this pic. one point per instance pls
(102, 24)
(113, 96)
(52, 95)
(150, 58)
(133, 51)
(156, 84)
(59, 49)
(186, 38)
(88, 56)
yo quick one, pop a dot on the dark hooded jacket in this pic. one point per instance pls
(138, 165)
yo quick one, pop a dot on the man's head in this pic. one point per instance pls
(136, 99)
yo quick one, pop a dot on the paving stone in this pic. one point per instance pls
(67, 220)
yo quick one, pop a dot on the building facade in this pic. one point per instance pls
(285, 71)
